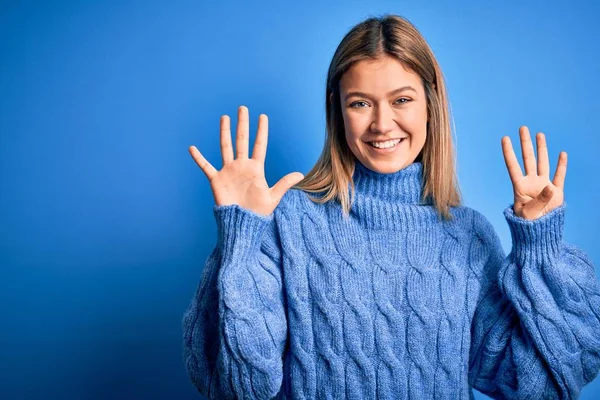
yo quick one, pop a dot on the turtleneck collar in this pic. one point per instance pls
(390, 201)
(403, 186)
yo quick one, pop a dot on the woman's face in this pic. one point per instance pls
(383, 102)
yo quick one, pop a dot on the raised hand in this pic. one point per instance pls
(535, 195)
(242, 180)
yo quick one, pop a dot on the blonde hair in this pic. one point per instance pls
(395, 36)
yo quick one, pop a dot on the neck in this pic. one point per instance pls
(387, 201)
(401, 187)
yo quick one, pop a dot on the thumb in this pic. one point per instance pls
(285, 183)
(535, 206)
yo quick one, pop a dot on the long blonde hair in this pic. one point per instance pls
(395, 36)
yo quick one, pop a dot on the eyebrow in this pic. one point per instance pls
(361, 94)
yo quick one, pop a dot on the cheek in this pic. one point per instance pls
(415, 118)
(354, 127)
(353, 142)
(416, 123)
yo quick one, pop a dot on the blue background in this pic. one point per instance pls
(107, 221)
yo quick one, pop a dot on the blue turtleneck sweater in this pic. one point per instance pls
(392, 303)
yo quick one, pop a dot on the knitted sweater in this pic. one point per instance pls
(392, 303)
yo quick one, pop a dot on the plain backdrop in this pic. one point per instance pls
(106, 221)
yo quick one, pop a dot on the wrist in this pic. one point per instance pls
(538, 240)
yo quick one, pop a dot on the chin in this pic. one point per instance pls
(388, 167)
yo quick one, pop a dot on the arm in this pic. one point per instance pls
(536, 328)
(235, 328)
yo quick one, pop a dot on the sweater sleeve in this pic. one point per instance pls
(235, 328)
(536, 328)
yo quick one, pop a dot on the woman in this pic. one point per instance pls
(381, 285)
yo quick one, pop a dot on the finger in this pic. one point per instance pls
(527, 151)
(543, 168)
(561, 170)
(260, 144)
(534, 207)
(241, 139)
(510, 159)
(204, 165)
(285, 183)
(226, 147)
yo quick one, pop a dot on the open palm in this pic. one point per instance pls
(534, 194)
(242, 180)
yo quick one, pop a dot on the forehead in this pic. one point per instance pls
(380, 75)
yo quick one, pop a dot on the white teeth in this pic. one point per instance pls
(385, 145)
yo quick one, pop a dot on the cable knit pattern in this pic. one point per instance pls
(391, 303)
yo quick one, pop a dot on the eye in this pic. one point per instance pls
(403, 98)
(357, 102)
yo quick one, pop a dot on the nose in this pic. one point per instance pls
(383, 119)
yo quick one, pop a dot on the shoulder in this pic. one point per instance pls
(298, 208)
(472, 224)
(484, 243)
(296, 201)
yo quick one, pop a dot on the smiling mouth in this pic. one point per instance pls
(386, 145)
